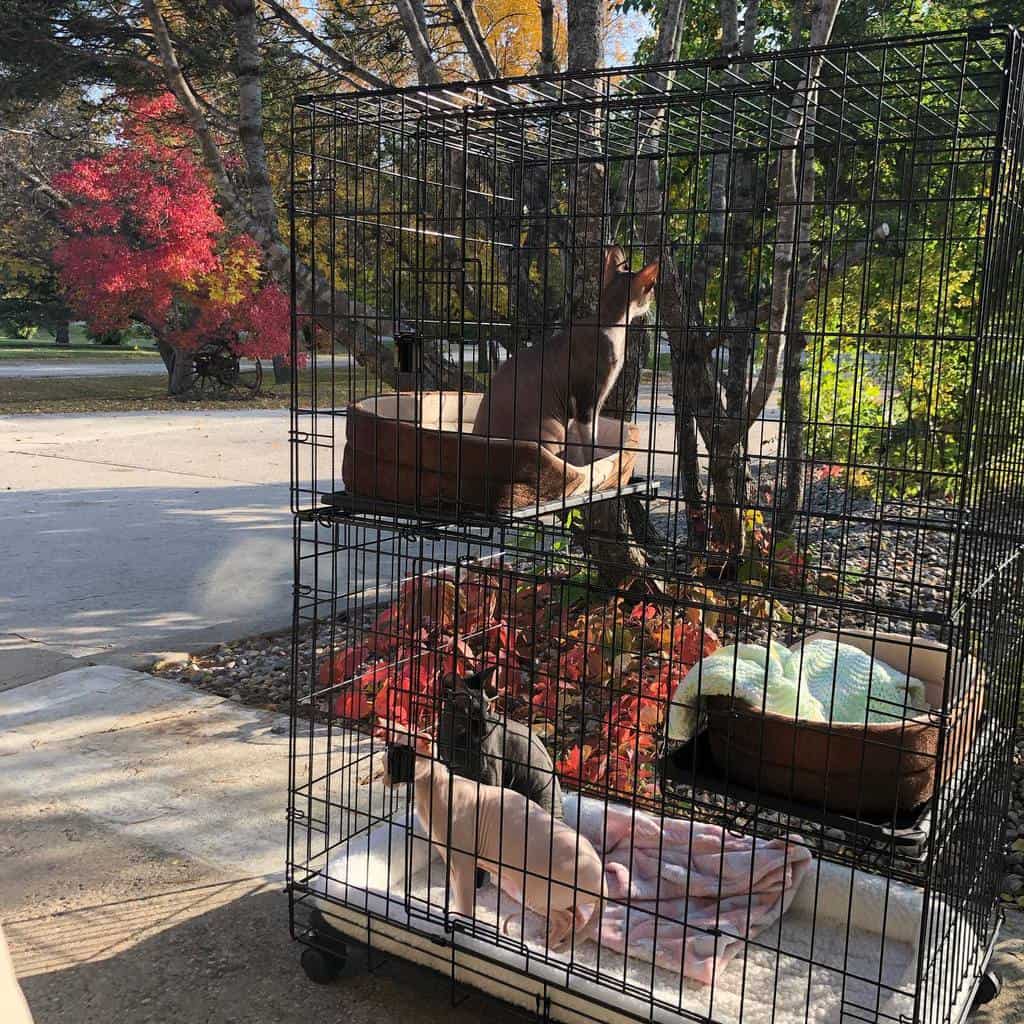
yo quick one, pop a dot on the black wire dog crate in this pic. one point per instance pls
(749, 586)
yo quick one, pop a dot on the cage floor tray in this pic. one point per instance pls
(416, 449)
(845, 951)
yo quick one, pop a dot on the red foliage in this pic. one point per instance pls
(343, 664)
(545, 697)
(606, 663)
(352, 703)
(691, 643)
(146, 242)
(570, 767)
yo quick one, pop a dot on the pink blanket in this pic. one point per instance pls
(687, 895)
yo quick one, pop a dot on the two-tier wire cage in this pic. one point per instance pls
(764, 622)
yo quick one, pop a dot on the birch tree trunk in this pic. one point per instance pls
(414, 25)
(547, 37)
(260, 222)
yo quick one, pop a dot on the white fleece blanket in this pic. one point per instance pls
(843, 953)
(818, 681)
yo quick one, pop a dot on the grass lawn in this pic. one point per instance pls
(42, 346)
(23, 395)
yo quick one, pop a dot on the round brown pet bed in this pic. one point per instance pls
(416, 449)
(875, 769)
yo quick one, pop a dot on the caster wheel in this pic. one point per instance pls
(990, 987)
(322, 967)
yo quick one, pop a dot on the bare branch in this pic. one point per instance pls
(40, 186)
(336, 57)
(414, 24)
(464, 17)
(804, 99)
(823, 273)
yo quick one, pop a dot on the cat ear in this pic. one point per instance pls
(487, 684)
(645, 280)
(614, 258)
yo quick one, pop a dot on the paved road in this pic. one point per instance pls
(113, 368)
(71, 368)
(142, 531)
(139, 822)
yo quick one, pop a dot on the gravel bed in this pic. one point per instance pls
(254, 671)
(1012, 887)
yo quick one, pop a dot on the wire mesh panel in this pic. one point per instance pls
(658, 528)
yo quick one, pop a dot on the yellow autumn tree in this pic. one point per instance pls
(512, 30)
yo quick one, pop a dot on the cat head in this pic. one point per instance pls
(409, 755)
(462, 723)
(625, 294)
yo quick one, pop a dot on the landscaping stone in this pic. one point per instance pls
(171, 660)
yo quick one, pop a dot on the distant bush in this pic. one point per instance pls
(110, 338)
(13, 329)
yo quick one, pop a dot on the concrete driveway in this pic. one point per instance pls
(135, 533)
(139, 532)
(142, 837)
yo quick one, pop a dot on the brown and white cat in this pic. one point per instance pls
(554, 393)
(538, 860)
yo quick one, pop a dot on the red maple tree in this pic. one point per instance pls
(146, 243)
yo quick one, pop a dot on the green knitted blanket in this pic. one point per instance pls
(819, 681)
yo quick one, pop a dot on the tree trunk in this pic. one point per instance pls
(586, 34)
(414, 25)
(179, 367)
(607, 536)
(724, 255)
(794, 471)
(547, 38)
(63, 333)
(468, 26)
(283, 371)
(249, 75)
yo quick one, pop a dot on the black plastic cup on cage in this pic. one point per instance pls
(401, 763)
(409, 349)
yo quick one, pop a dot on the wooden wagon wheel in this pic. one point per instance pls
(217, 370)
